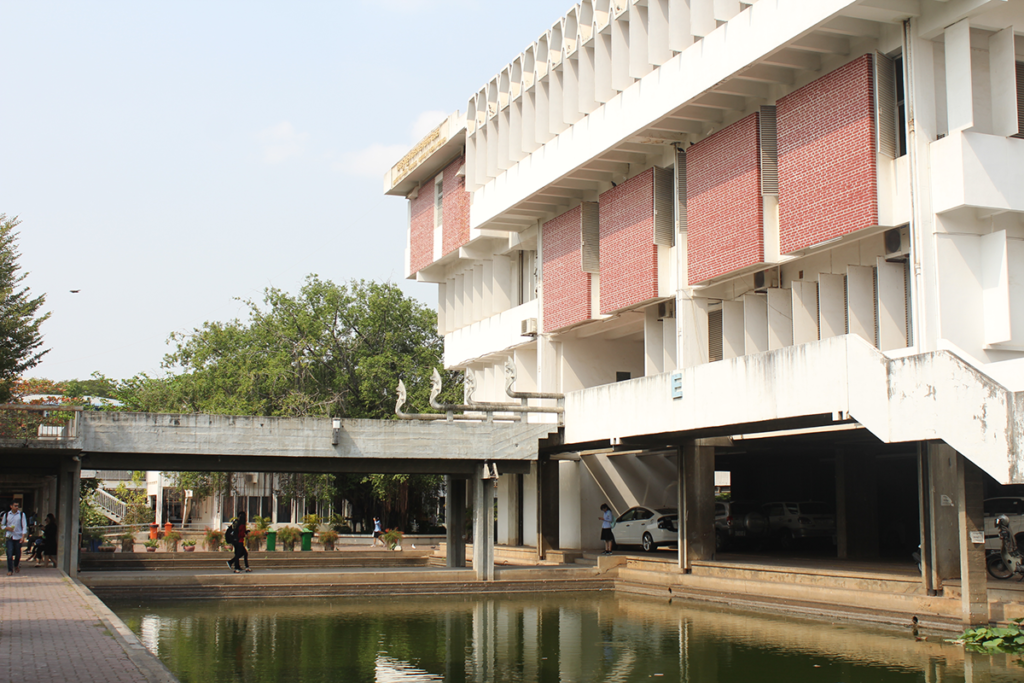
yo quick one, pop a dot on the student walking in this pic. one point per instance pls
(236, 537)
(15, 526)
(377, 532)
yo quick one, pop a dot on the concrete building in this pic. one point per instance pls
(778, 238)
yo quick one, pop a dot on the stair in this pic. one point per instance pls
(109, 506)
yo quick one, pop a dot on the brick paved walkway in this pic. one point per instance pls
(54, 630)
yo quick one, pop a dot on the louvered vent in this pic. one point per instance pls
(768, 133)
(681, 187)
(906, 290)
(1020, 100)
(664, 218)
(591, 238)
(714, 335)
(885, 106)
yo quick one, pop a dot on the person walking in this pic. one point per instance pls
(377, 531)
(237, 541)
(50, 540)
(15, 526)
(606, 529)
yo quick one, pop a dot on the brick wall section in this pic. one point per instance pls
(455, 229)
(724, 209)
(456, 208)
(827, 177)
(629, 257)
(421, 229)
(566, 286)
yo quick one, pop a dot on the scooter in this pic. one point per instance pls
(1008, 561)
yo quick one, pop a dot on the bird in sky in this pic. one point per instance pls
(75, 291)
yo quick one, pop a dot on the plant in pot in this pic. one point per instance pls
(171, 540)
(254, 539)
(288, 536)
(151, 545)
(127, 539)
(328, 538)
(392, 539)
(106, 545)
(189, 545)
(340, 524)
(310, 523)
(213, 539)
(261, 523)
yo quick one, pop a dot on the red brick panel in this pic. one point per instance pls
(421, 229)
(724, 209)
(827, 182)
(566, 286)
(456, 208)
(629, 257)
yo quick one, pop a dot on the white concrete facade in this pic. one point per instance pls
(914, 341)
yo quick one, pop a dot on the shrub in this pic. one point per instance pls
(262, 523)
(171, 541)
(288, 537)
(328, 539)
(188, 543)
(254, 539)
(392, 538)
(151, 543)
(213, 538)
(311, 522)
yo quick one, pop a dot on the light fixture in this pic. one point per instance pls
(335, 428)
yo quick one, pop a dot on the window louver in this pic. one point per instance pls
(1020, 101)
(768, 131)
(590, 237)
(681, 187)
(664, 218)
(714, 335)
(885, 106)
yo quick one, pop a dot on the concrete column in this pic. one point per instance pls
(547, 506)
(654, 343)
(455, 521)
(510, 509)
(942, 496)
(971, 526)
(159, 519)
(856, 505)
(483, 526)
(696, 480)
(924, 515)
(68, 515)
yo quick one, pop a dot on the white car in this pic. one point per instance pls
(1012, 507)
(647, 527)
(789, 522)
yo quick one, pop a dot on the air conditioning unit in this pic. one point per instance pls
(897, 244)
(765, 280)
(667, 309)
(252, 478)
(530, 327)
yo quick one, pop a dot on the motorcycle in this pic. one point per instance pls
(1009, 561)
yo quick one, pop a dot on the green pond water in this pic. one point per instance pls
(566, 637)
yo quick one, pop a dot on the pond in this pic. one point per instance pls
(565, 637)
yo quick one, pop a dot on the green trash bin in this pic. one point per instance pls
(307, 539)
(271, 539)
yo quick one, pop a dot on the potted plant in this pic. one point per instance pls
(261, 523)
(340, 524)
(310, 523)
(127, 539)
(254, 539)
(91, 540)
(171, 540)
(392, 539)
(213, 539)
(189, 545)
(151, 545)
(107, 545)
(288, 536)
(328, 538)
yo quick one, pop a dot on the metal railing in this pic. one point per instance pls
(111, 506)
(39, 422)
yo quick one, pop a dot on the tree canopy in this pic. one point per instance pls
(20, 320)
(330, 351)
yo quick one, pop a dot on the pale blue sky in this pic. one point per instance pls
(166, 158)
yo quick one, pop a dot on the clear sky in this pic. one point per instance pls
(170, 158)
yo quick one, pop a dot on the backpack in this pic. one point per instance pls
(231, 535)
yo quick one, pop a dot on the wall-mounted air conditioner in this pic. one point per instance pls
(765, 280)
(530, 327)
(897, 244)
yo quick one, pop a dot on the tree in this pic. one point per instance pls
(330, 351)
(20, 339)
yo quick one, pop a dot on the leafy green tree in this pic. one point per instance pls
(20, 320)
(329, 351)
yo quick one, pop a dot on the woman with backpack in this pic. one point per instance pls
(236, 537)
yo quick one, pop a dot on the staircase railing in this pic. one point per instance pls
(111, 506)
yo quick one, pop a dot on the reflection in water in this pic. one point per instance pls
(568, 638)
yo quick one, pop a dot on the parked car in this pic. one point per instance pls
(737, 523)
(1012, 507)
(647, 527)
(789, 522)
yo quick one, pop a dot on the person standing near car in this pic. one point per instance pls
(606, 529)
(15, 526)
